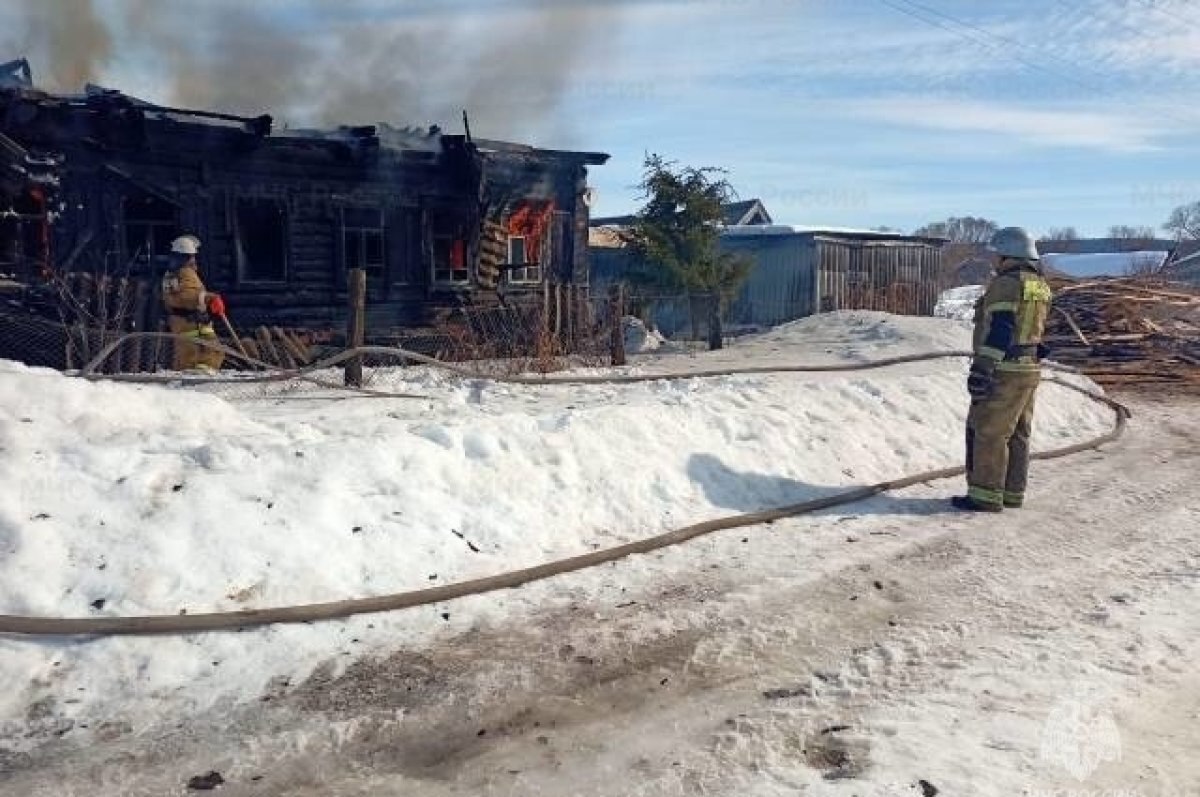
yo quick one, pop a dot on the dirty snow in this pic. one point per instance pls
(123, 500)
(959, 303)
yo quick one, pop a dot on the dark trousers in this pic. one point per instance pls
(998, 432)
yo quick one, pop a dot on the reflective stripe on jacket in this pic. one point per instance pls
(1010, 319)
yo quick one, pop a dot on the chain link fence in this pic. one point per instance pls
(116, 328)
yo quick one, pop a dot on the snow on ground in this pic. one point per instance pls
(123, 500)
(959, 303)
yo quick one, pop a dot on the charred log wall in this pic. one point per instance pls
(282, 218)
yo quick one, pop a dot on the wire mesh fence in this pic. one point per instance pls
(117, 326)
(78, 325)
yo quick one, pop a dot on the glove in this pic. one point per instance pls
(216, 305)
(982, 379)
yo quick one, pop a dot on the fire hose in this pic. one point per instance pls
(307, 613)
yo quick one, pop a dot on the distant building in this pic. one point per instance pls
(1078, 258)
(1106, 264)
(974, 270)
(1184, 265)
(1103, 246)
(749, 212)
(797, 272)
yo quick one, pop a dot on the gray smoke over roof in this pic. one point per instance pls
(511, 64)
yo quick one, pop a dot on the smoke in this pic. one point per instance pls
(511, 65)
(67, 38)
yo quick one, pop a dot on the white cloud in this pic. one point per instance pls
(1083, 129)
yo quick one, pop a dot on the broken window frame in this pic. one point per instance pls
(241, 256)
(406, 267)
(26, 225)
(355, 230)
(451, 235)
(525, 271)
(157, 232)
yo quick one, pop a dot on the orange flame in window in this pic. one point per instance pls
(531, 220)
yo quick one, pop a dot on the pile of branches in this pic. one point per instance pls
(1123, 331)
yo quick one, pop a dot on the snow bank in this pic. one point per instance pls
(125, 500)
(959, 303)
(855, 334)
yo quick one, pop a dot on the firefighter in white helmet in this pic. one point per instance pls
(191, 309)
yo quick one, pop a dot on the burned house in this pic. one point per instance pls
(102, 182)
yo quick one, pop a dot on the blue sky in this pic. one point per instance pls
(867, 113)
(850, 112)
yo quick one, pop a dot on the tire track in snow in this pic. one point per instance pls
(957, 600)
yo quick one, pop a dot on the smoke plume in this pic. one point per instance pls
(67, 38)
(511, 65)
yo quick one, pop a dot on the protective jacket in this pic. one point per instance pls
(186, 301)
(184, 293)
(1010, 319)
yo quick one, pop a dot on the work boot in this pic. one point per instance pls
(968, 504)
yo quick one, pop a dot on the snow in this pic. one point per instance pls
(638, 338)
(125, 500)
(959, 303)
(1109, 264)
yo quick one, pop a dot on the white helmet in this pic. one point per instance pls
(1014, 242)
(186, 245)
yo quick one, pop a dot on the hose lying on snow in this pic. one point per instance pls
(275, 374)
(230, 621)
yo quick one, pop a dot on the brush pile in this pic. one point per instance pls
(1127, 331)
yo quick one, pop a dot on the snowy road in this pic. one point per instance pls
(890, 649)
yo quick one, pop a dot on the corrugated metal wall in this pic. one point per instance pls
(797, 275)
(781, 286)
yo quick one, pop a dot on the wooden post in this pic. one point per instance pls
(355, 323)
(141, 323)
(716, 335)
(572, 316)
(120, 315)
(616, 304)
(558, 311)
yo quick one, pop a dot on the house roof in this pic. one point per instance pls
(774, 230)
(747, 212)
(1096, 246)
(751, 211)
(366, 137)
(1105, 264)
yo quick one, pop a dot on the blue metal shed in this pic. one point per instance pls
(798, 272)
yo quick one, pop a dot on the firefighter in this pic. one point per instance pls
(1010, 320)
(191, 309)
